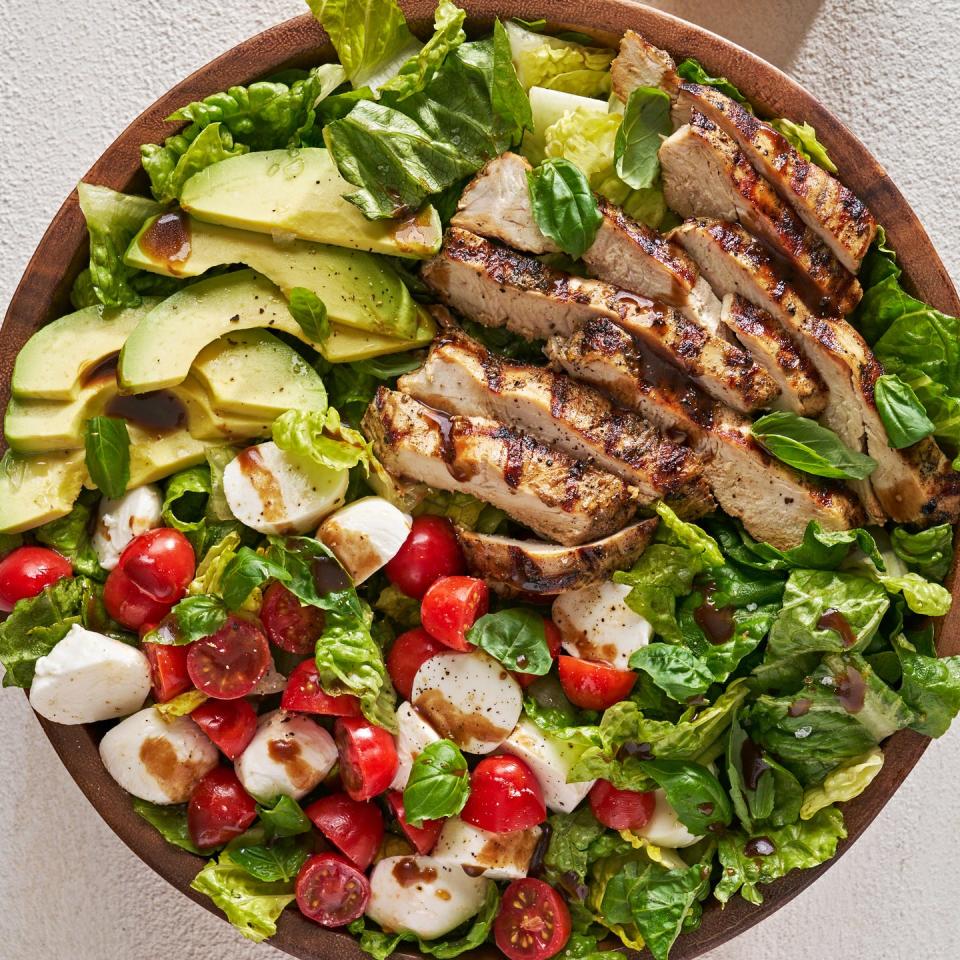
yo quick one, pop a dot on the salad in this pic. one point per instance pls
(493, 490)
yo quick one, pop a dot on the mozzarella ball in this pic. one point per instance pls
(413, 736)
(365, 535)
(119, 521)
(499, 856)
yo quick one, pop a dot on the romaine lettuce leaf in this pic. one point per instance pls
(545, 61)
(931, 686)
(843, 783)
(70, 535)
(674, 669)
(170, 821)
(927, 552)
(321, 438)
(803, 138)
(463, 509)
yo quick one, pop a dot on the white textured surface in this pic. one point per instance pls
(74, 73)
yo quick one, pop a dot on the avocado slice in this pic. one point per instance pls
(358, 289)
(346, 346)
(301, 192)
(155, 456)
(48, 426)
(36, 490)
(56, 360)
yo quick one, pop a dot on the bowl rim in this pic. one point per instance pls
(43, 293)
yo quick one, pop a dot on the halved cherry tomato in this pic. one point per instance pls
(355, 827)
(621, 809)
(219, 809)
(452, 606)
(304, 694)
(368, 757)
(430, 551)
(150, 577)
(553, 643)
(424, 837)
(168, 670)
(505, 795)
(591, 685)
(407, 655)
(533, 922)
(290, 625)
(228, 663)
(331, 891)
(24, 572)
(230, 724)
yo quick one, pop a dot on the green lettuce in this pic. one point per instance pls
(169, 821)
(674, 669)
(559, 64)
(321, 438)
(70, 535)
(927, 552)
(931, 687)
(803, 138)
(843, 783)
(463, 509)
(693, 71)
(694, 792)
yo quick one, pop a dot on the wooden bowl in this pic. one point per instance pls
(43, 294)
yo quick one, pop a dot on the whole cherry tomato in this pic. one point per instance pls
(505, 795)
(593, 686)
(24, 572)
(533, 923)
(230, 724)
(424, 837)
(290, 625)
(355, 827)
(331, 891)
(552, 635)
(452, 606)
(304, 694)
(621, 809)
(228, 663)
(430, 551)
(168, 670)
(368, 757)
(219, 809)
(407, 655)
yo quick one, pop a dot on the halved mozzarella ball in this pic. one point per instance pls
(156, 759)
(551, 761)
(119, 521)
(273, 492)
(499, 856)
(596, 624)
(469, 698)
(664, 828)
(365, 535)
(88, 677)
(422, 896)
(288, 755)
(412, 737)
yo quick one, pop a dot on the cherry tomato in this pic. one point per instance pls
(168, 670)
(355, 827)
(304, 694)
(424, 837)
(24, 572)
(228, 663)
(552, 635)
(452, 606)
(593, 686)
(504, 796)
(621, 809)
(331, 891)
(219, 809)
(290, 625)
(430, 551)
(150, 577)
(407, 655)
(368, 757)
(533, 922)
(230, 724)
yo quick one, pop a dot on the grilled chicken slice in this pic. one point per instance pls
(705, 174)
(496, 204)
(462, 377)
(641, 64)
(525, 567)
(915, 485)
(499, 287)
(559, 498)
(774, 502)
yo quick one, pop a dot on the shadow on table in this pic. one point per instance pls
(774, 29)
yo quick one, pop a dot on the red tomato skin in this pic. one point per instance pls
(424, 838)
(219, 809)
(303, 694)
(552, 634)
(331, 891)
(160, 562)
(368, 757)
(290, 625)
(409, 652)
(505, 795)
(128, 604)
(168, 670)
(24, 572)
(230, 724)
(430, 551)
(355, 827)
(593, 686)
(451, 606)
(229, 663)
(621, 809)
(531, 907)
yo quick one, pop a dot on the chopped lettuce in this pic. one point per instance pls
(322, 438)
(70, 535)
(463, 509)
(931, 686)
(927, 552)
(803, 138)
(843, 783)
(169, 821)
(558, 64)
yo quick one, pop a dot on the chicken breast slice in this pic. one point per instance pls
(774, 502)
(641, 64)
(559, 498)
(499, 287)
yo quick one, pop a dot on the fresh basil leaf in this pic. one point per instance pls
(439, 784)
(676, 670)
(693, 791)
(572, 839)
(694, 72)
(903, 415)
(803, 138)
(169, 821)
(279, 860)
(646, 121)
(191, 619)
(245, 571)
(310, 312)
(806, 446)
(107, 444)
(564, 206)
(515, 637)
(284, 819)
